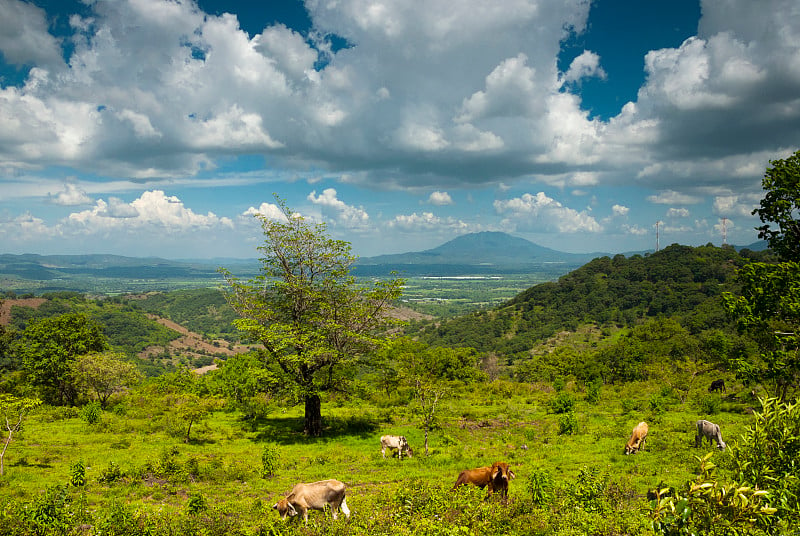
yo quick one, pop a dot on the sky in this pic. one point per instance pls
(162, 127)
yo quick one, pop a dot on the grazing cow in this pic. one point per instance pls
(398, 443)
(496, 477)
(636, 441)
(717, 385)
(710, 431)
(314, 496)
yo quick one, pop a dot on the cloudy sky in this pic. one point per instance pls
(159, 127)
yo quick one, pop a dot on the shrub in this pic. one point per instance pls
(269, 461)
(78, 474)
(91, 412)
(708, 404)
(562, 403)
(110, 474)
(593, 391)
(568, 424)
(540, 487)
(196, 504)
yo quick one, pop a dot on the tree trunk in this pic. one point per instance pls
(313, 424)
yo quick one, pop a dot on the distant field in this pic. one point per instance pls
(433, 295)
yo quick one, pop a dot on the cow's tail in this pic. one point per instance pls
(343, 507)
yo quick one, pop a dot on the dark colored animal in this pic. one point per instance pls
(710, 431)
(398, 443)
(636, 441)
(717, 385)
(313, 496)
(496, 477)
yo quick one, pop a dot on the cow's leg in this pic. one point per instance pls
(383, 451)
(344, 508)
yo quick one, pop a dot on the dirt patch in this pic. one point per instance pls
(192, 345)
(6, 305)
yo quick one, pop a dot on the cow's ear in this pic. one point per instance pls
(275, 506)
(292, 511)
(494, 471)
(511, 475)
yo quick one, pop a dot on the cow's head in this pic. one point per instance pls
(284, 508)
(500, 472)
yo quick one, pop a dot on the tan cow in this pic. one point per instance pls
(496, 477)
(399, 443)
(314, 496)
(636, 441)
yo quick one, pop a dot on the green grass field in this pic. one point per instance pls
(137, 465)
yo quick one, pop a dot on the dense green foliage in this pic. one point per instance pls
(311, 317)
(677, 281)
(203, 311)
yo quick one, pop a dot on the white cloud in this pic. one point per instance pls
(427, 221)
(620, 210)
(671, 197)
(586, 65)
(267, 210)
(71, 195)
(440, 198)
(153, 209)
(736, 205)
(635, 230)
(341, 213)
(24, 39)
(678, 213)
(542, 212)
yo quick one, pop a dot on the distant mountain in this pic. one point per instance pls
(474, 253)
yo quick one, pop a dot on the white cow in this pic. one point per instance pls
(710, 431)
(398, 443)
(314, 496)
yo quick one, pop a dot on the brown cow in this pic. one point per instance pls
(496, 477)
(636, 441)
(314, 496)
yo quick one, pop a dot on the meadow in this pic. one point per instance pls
(130, 472)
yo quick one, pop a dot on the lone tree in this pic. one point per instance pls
(768, 309)
(12, 411)
(311, 316)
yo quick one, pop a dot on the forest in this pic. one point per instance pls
(114, 424)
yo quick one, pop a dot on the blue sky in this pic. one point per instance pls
(156, 127)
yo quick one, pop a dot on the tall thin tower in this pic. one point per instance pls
(657, 224)
(724, 231)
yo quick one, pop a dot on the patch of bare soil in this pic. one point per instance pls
(405, 314)
(6, 305)
(192, 345)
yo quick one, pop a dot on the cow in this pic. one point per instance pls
(398, 443)
(710, 431)
(636, 441)
(313, 496)
(496, 477)
(717, 385)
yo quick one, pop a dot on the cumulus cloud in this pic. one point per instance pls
(678, 213)
(267, 210)
(545, 213)
(736, 205)
(153, 209)
(586, 65)
(71, 195)
(620, 210)
(427, 221)
(340, 212)
(440, 198)
(671, 197)
(24, 39)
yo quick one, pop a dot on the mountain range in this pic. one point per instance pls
(475, 253)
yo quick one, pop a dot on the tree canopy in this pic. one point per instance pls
(310, 315)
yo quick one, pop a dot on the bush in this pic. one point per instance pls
(540, 487)
(593, 391)
(568, 424)
(708, 404)
(562, 403)
(78, 474)
(269, 461)
(110, 474)
(91, 412)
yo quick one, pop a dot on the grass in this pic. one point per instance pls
(497, 421)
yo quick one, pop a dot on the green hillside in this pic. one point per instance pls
(679, 281)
